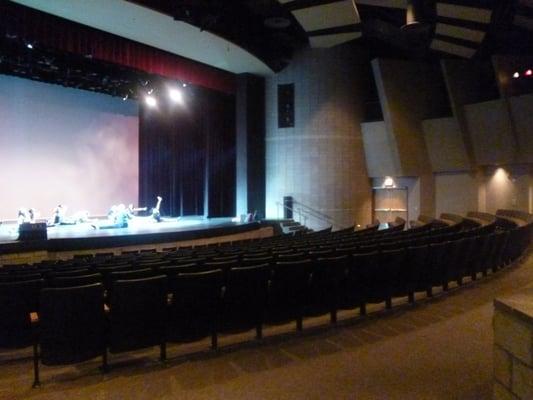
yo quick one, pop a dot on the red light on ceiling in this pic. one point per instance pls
(529, 72)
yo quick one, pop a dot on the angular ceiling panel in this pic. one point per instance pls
(326, 16)
(460, 32)
(332, 40)
(383, 3)
(452, 48)
(474, 14)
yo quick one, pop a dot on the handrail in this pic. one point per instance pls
(293, 211)
(309, 211)
(320, 214)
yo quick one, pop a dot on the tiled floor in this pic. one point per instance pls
(437, 349)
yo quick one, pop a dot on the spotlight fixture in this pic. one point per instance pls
(175, 95)
(150, 101)
(151, 91)
(125, 97)
(516, 75)
(184, 84)
(529, 72)
(29, 46)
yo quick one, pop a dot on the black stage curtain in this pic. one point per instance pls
(187, 154)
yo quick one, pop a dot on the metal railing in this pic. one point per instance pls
(302, 213)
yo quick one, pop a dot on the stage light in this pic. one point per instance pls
(125, 98)
(29, 46)
(150, 101)
(516, 75)
(184, 84)
(151, 91)
(175, 95)
(529, 72)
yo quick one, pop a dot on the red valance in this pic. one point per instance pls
(64, 35)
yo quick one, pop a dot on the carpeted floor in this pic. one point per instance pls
(437, 349)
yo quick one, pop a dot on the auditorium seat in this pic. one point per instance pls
(172, 270)
(196, 305)
(78, 280)
(418, 271)
(19, 277)
(362, 285)
(111, 278)
(391, 275)
(245, 298)
(289, 290)
(249, 261)
(438, 260)
(328, 275)
(17, 301)
(67, 272)
(138, 315)
(71, 327)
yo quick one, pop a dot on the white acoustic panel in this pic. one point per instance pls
(332, 40)
(482, 15)
(523, 22)
(452, 48)
(383, 3)
(325, 16)
(459, 32)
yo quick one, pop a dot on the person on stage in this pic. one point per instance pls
(26, 215)
(154, 212)
(119, 216)
(59, 217)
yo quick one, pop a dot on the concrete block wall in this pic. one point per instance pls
(320, 161)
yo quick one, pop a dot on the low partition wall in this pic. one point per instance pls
(31, 257)
(513, 346)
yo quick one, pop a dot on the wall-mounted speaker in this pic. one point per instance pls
(35, 231)
(286, 105)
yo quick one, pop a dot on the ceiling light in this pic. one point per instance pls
(516, 75)
(529, 72)
(175, 95)
(150, 101)
(29, 46)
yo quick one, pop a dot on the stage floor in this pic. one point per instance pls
(139, 231)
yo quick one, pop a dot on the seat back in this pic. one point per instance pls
(246, 294)
(81, 280)
(72, 324)
(196, 300)
(17, 301)
(14, 277)
(127, 275)
(138, 316)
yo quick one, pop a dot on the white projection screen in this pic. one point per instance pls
(65, 146)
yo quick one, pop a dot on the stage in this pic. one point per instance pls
(139, 232)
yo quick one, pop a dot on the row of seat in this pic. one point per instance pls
(233, 287)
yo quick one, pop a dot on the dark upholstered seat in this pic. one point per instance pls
(138, 316)
(196, 305)
(17, 301)
(71, 326)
